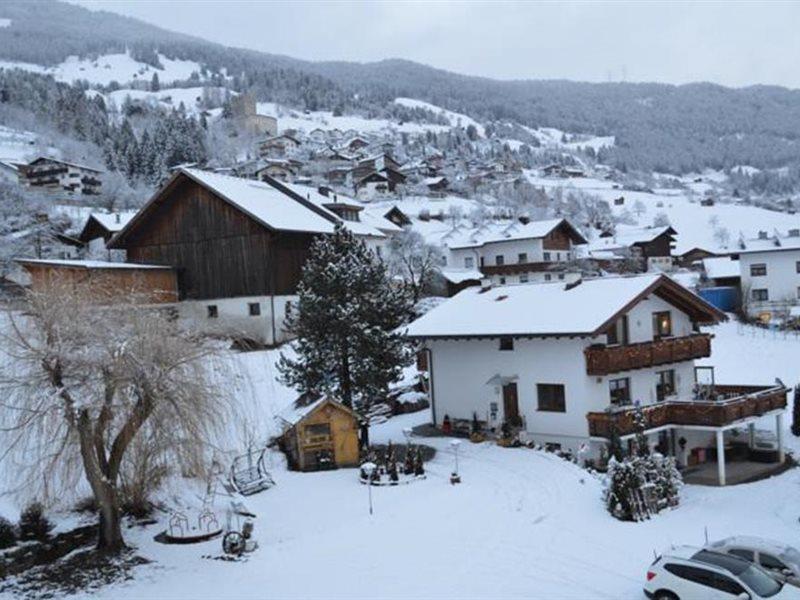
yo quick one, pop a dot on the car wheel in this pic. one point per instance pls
(665, 595)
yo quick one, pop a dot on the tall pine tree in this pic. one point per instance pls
(346, 322)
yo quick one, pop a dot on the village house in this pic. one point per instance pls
(276, 168)
(769, 267)
(650, 247)
(237, 246)
(280, 146)
(516, 252)
(565, 365)
(100, 228)
(52, 175)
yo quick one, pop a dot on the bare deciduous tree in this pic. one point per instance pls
(413, 259)
(93, 382)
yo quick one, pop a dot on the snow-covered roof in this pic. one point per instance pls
(721, 266)
(501, 232)
(65, 162)
(296, 412)
(776, 243)
(87, 264)
(455, 275)
(627, 237)
(547, 309)
(113, 222)
(369, 225)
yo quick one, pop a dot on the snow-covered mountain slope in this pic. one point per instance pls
(122, 68)
(309, 120)
(192, 98)
(455, 119)
(16, 145)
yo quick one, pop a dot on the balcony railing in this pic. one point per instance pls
(604, 360)
(733, 403)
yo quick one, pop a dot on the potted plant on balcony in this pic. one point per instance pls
(476, 435)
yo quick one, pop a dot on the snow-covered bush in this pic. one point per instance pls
(639, 486)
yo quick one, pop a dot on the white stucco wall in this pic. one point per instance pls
(781, 281)
(234, 317)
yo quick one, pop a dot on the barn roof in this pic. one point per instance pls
(257, 199)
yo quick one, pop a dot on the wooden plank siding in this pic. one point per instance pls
(217, 250)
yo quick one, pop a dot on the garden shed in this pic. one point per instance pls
(319, 434)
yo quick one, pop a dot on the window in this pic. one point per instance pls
(620, 391)
(618, 333)
(770, 562)
(499, 260)
(546, 256)
(524, 279)
(317, 432)
(254, 308)
(662, 324)
(551, 397)
(760, 295)
(742, 553)
(469, 262)
(665, 384)
(758, 270)
(506, 343)
(522, 258)
(212, 311)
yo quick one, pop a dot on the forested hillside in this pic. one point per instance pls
(657, 127)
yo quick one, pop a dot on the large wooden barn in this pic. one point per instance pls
(238, 247)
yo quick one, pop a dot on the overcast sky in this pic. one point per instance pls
(732, 43)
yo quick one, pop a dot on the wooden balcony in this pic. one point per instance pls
(604, 360)
(732, 404)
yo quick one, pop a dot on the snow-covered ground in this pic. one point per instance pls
(522, 524)
(683, 209)
(122, 68)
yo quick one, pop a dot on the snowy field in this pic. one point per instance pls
(522, 524)
(122, 68)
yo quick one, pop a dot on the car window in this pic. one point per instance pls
(742, 553)
(694, 574)
(760, 582)
(726, 584)
(770, 562)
